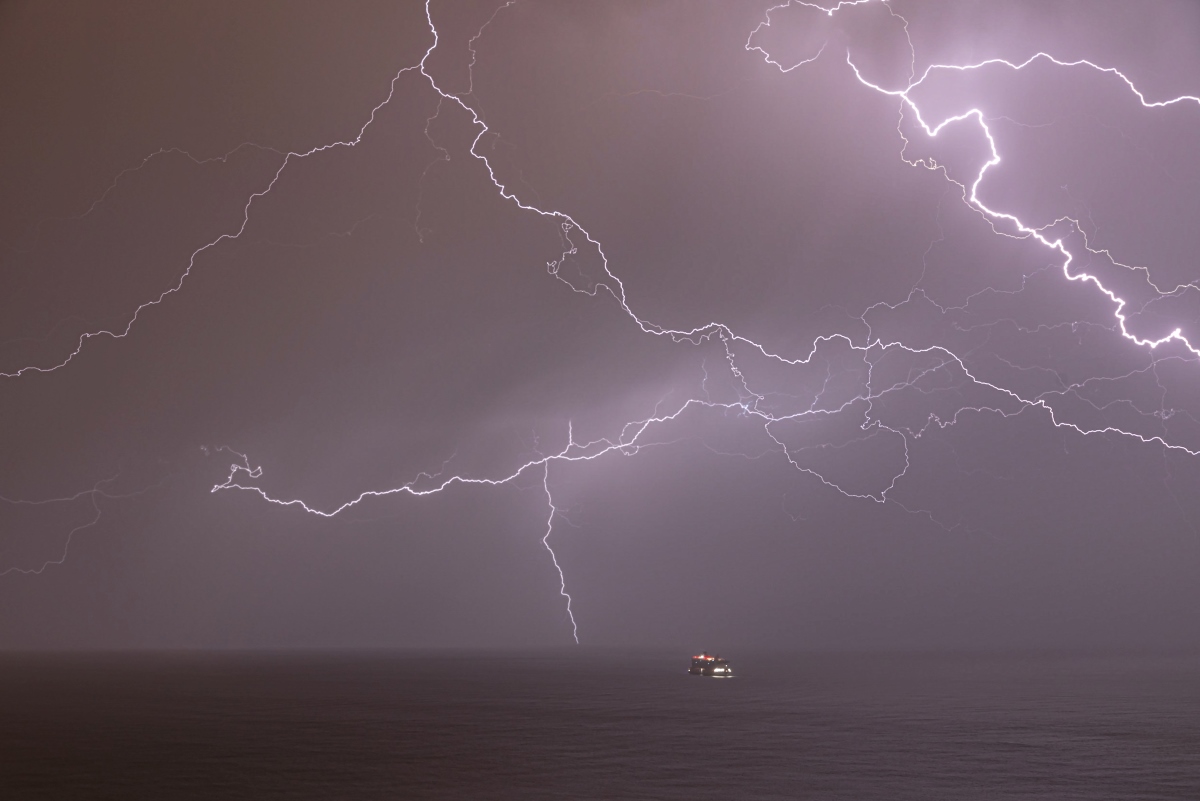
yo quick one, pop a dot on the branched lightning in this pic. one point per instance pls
(933, 370)
(1024, 230)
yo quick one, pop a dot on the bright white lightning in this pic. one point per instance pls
(1024, 229)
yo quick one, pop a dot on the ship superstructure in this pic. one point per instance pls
(708, 665)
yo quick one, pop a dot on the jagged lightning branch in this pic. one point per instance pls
(288, 158)
(1025, 230)
(972, 198)
(562, 579)
(993, 216)
(93, 495)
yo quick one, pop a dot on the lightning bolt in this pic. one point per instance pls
(932, 370)
(562, 579)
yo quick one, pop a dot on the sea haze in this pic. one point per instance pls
(598, 724)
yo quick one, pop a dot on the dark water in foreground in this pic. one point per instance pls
(598, 725)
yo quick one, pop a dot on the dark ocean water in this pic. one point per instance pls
(586, 724)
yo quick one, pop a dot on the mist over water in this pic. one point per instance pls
(583, 723)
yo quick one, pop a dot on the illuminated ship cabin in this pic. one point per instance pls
(706, 665)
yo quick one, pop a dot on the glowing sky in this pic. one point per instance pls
(385, 325)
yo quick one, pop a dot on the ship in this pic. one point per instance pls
(707, 665)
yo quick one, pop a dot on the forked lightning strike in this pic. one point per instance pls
(753, 400)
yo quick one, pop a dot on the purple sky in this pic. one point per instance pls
(823, 390)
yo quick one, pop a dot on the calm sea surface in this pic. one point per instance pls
(581, 724)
